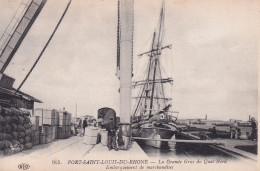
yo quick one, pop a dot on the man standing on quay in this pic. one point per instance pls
(85, 124)
(111, 128)
(254, 129)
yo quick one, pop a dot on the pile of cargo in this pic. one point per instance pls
(64, 129)
(35, 130)
(51, 125)
(16, 131)
(20, 131)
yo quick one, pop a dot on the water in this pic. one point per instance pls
(182, 150)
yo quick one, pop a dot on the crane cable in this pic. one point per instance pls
(39, 57)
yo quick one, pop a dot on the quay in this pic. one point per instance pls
(66, 153)
(74, 147)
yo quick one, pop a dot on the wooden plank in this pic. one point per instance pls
(228, 147)
(235, 152)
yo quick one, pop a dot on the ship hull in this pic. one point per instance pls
(154, 132)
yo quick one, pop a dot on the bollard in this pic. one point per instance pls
(125, 131)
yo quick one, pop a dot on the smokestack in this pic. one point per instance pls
(126, 58)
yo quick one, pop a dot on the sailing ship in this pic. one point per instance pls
(152, 120)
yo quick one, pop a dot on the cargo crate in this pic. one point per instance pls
(62, 118)
(35, 122)
(46, 117)
(43, 138)
(35, 138)
(67, 131)
(61, 132)
(54, 132)
(48, 133)
(56, 118)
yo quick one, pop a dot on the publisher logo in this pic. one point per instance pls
(23, 166)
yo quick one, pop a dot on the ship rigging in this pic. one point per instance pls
(151, 116)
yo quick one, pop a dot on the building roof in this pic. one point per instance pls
(12, 92)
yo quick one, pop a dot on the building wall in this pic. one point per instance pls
(8, 101)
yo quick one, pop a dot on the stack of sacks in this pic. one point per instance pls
(15, 130)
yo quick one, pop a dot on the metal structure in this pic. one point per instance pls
(17, 30)
(10, 41)
(125, 57)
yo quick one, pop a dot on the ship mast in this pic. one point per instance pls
(156, 54)
(153, 84)
(148, 75)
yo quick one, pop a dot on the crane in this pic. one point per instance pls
(14, 34)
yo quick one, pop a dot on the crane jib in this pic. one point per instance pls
(14, 38)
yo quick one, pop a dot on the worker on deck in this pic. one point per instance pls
(111, 128)
(214, 132)
(234, 131)
(155, 119)
(85, 124)
(254, 129)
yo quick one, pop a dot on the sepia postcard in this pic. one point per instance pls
(129, 85)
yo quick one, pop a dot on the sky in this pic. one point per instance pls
(213, 61)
